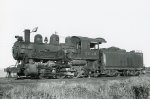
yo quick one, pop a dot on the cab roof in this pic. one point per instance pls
(91, 40)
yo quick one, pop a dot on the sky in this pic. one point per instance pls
(123, 23)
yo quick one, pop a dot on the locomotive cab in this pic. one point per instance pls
(84, 47)
(84, 43)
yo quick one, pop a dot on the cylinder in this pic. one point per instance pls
(27, 35)
(31, 70)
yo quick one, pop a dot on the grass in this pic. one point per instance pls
(132, 88)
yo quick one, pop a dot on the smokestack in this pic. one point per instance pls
(27, 35)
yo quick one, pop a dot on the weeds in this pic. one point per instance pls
(132, 88)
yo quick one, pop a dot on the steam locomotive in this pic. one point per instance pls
(77, 57)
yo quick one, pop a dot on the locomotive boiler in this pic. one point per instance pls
(77, 57)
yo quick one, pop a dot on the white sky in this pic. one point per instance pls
(123, 23)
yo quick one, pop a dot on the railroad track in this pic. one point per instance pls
(13, 80)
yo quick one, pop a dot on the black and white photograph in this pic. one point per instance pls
(74, 49)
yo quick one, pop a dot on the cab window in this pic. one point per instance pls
(94, 46)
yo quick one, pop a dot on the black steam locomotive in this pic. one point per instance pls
(77, 57)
